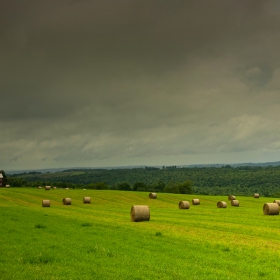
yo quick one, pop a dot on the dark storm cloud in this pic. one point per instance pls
(84, 81)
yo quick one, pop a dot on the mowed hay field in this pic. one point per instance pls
(99, 241)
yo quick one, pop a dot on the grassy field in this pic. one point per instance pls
(99, 241)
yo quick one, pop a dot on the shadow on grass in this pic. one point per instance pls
(86, 225)
(39, 226)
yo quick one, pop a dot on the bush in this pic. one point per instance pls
(124, 187)
(183, 188)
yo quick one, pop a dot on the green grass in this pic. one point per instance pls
(98, 240)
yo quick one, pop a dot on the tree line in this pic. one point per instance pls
(243, 180)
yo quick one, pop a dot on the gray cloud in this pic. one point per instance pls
(90, 83)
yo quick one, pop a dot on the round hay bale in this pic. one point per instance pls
(271, 209)
(7, 186)
(66, 188)
(140, 213)
(46, 203)
(54, 188)
(86, 199)
(222, 204)
(39, 187)
(234, 202)
(231, 197)
(47, 188)
(84, 189)
(66, 201)
(256, 195)
(153, 195)
(184, 205)
(277, 201)
(196, 201)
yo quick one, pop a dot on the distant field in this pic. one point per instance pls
(99, 241)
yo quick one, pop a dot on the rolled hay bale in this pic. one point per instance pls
(47, 188)
(231, 197)
(153, 195)
(256, 195)
(139, 213)
(222, 204)
(277, 201)
(86, 199)
(84, 189)
(196, 201)
(46, 203)
(54, 188)
(271, 209)
(184, 204)
(39, 187)
(7, 186)
(66, 201)
(66, 188)
(234, 202)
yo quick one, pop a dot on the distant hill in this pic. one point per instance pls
(217, 165)
(52, 170)
(275, 163)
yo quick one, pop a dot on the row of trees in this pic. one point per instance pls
(225, 180)
(171, 187)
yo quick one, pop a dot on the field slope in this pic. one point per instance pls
(98, 240)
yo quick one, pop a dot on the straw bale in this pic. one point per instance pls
(7, 186)
(184, 204)
(271, 209)
(66, 188)
(256, 195)
(153, 195)
(46, 203)
(47, 188)
(277, 201)
(234, 202)
(231, 197)
(66, 201)
(222, 204)
(54, 188)
(86, 199)
(39, 187)
(140, 213)
(196, 201)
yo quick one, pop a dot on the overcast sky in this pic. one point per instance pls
(138, 82)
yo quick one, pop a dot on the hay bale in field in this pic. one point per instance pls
(39, 187)
(7, 186)
(139, 213)
(54, 188)
(277, 201)
(153, 195)
(84, 189)
(46, 203)
(66, 188)
(271, 209)
(231, 197)
(256, 195)
(222, 204)
(47, 188)
(66, 201)
(86, 199)
(184, 204)
(234, 202)
(196, 201)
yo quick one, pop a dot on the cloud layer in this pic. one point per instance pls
(105, 83)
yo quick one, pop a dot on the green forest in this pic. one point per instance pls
(225, 180)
